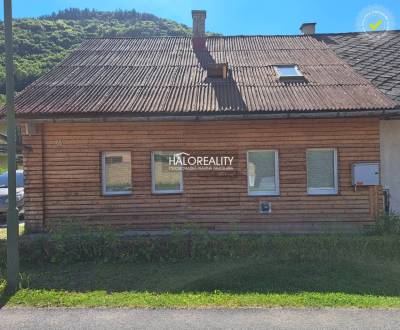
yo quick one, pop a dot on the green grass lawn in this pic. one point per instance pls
(249, 282)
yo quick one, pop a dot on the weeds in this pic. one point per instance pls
(388, 223)
(84, 244)
(24, 281)
(79, 244)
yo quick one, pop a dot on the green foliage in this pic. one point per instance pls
(103, 245)
(3, 285)
(3, 232)
(24, 281)
(41, 43)
(243, 282)
(79, 266)
(387, 223)
(82, 244)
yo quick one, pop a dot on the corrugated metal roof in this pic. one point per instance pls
(165, 75)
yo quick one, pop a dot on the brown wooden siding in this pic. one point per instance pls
(63, 173)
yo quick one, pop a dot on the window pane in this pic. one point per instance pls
(166, 177)
(288, 71)
(320, 168)
(118, 172)
(261, 171)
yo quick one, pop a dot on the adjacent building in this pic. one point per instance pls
(377, 59)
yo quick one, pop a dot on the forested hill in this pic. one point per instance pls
(43, 42)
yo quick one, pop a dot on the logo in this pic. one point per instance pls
(186, 161)
(375, 21)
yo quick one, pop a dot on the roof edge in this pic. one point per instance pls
(95, 118)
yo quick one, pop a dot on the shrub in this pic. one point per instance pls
(24, 281)
(387, 223)
(80, 244)
(77, 243)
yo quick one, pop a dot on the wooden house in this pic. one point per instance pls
(107, 124)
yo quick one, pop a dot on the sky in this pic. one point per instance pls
(242, 17)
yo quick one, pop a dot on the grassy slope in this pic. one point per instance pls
(230, 283)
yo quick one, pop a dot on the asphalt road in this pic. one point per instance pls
(275, 318)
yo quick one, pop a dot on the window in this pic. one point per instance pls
(263, 172)
(288, 72)
(116, 173)
(166, 178)
(114, 159)
(322, 171)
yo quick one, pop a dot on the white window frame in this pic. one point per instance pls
(324, 191)
(295, 67)
(153, 177)
(103, 175)
(264, 193)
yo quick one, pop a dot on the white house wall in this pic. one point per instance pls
(390, 160)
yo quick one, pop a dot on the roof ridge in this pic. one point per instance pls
(246, 35)
(207, 37)
(355, 33)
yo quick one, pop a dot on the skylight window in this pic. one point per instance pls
(288, 72)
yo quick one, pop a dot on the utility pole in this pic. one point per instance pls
(12, 220)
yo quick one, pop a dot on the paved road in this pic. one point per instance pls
(275, 318)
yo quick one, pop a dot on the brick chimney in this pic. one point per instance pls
(199, 29)
(308, 28)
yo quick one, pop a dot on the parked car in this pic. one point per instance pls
(4, 194)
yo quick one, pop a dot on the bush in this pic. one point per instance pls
(103, 245)
(388, 223)
(83, 244)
